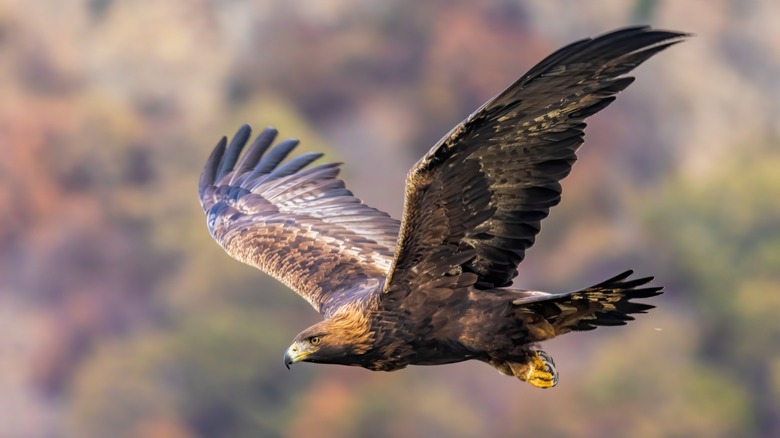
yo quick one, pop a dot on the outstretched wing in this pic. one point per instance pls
(297, 223)
(475, 202)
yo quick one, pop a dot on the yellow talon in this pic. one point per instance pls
(539, 371)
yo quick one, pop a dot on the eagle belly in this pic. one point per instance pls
(469, 325)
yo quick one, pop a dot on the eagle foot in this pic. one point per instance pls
(538, 371)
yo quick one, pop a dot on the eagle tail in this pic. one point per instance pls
(608, 303)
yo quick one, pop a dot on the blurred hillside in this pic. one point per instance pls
(119, 316)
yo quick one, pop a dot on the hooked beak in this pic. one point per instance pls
(295, 354)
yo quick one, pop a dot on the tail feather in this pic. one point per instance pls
(609, 302)
(605, 304)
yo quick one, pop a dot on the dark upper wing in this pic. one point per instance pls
(298, 224)
(475, 201)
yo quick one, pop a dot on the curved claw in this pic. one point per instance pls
(538, 370)
(542, 372)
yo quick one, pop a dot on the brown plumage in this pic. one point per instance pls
(434, 288)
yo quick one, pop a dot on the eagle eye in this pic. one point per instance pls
(315, 340)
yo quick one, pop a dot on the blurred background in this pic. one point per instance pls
(119, 316)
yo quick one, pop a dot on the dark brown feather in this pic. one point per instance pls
(605, 304)
(485, 187)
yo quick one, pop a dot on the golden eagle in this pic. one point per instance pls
(434, 288)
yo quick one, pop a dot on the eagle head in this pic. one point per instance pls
(341, 339)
